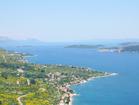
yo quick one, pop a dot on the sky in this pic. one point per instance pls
(69, 20)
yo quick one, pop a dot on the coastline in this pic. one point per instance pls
(67, 86)
(71, 98)
(72, 95)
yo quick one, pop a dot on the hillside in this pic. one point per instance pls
(35, 84)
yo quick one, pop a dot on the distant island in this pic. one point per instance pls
(123, 47)
(24, 83)
(83, 46)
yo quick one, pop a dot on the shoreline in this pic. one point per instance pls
(72, 95)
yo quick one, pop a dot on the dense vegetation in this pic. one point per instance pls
(34, 84)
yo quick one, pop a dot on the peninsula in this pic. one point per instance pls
(24, 83)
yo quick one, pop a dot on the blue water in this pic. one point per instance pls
(122, 89)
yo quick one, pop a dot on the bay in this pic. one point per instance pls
(122, 89)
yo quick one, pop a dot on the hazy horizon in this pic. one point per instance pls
(70, 21)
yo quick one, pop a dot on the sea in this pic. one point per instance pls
(122, 89)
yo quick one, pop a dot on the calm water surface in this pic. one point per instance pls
(117, 90)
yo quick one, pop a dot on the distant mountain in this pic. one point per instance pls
(129, 43)
(5, 41)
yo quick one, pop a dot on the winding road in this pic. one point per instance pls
(19, 99)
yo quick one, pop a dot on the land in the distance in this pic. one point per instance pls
(123, 47)
(23, 83)
(85, 46)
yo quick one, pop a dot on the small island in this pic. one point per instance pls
(24, 83)
(84, 46)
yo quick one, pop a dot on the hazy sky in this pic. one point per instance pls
(69, 20)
